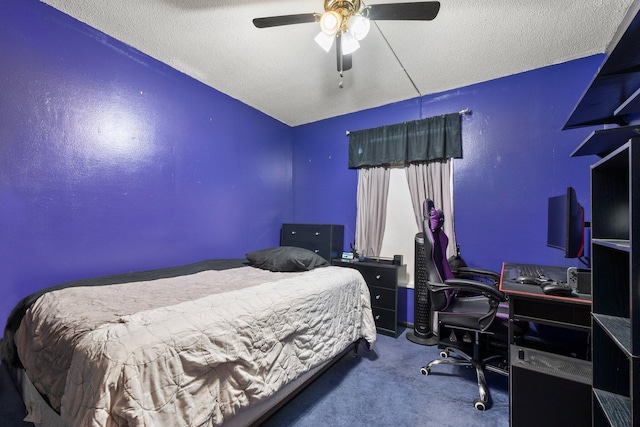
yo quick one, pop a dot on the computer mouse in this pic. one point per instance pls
(527, 280)
(557, 289)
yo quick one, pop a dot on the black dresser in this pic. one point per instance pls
(324, 239)
(383, 279)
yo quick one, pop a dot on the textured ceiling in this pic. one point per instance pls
(283, 73)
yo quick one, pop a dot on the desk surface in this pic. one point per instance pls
(514, 288)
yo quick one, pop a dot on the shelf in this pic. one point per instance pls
(619, 244)
(605, 94)
(604, 141)
(616, 408)
(617, 80)
(618, 328)
(630, 106)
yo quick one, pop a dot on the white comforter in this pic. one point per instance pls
(191, 350)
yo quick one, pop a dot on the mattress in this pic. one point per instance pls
(194, 349)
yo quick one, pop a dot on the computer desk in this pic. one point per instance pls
(546, 387)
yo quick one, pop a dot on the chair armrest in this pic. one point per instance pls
(488, 291)
(463, 272)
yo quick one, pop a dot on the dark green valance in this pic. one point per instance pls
(421, 140)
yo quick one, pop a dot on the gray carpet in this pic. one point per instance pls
(384, 387)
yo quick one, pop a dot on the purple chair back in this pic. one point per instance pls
(436, 242)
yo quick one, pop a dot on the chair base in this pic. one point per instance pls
(429, 339)
(466, 360)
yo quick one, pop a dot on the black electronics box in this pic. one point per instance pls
(579, 279)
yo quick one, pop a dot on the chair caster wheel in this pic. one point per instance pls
(425, 371)
(444, 354)
(479, 405)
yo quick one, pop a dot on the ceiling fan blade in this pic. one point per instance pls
(276, 21)
(420, 11)
(344, 61)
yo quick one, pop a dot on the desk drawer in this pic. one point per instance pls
(383, 298)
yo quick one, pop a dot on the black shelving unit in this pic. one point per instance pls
(613, 96)
(615, 180)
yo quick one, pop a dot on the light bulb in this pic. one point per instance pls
(330, 22)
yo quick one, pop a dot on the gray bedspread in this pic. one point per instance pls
(189, 350)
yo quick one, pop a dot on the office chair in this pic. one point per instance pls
(470, 315)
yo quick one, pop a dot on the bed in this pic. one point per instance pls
(217, 342)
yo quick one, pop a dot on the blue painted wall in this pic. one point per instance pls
(111, 161)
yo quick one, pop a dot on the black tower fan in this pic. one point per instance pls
(422, 331)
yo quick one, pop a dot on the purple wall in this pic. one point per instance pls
(111, 161)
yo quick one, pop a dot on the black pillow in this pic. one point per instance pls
(286, 258)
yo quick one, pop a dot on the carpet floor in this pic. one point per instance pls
(384, 387)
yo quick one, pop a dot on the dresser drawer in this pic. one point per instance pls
(380, 277)
(324, 239)
(305, 233)
(383, 298)
(385, 319)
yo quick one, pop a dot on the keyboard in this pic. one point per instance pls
(537, 272)
(531, 271)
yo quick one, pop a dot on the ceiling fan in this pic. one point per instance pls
(348, 22)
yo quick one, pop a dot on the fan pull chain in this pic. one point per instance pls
(341, 77)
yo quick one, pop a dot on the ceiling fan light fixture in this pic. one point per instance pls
(349, 43)
(359, 26)
(324, 41)
(330, 22)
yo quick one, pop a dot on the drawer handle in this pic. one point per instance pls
(293, 232)
(316, 250)
(377, 296)
(317, 233)
(378, 276)
(378, 317)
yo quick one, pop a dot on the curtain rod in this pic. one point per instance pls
(464, 112)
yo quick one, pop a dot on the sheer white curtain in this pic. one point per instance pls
(373, 189)
(433, 180)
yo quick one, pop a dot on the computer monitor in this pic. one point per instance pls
(565, 224)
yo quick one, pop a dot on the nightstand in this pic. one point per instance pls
(383, 278)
